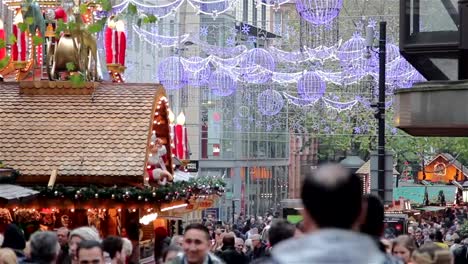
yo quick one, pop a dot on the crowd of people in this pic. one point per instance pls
(79, 246)
(339, 225)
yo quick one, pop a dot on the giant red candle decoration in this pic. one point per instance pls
(2, 37)
(108, 40)
(180, 136)
(122, 45)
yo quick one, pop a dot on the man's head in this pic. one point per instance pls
(44, 247)
(113, 245)
(229, 241)
(322, 196)
(256, 241)
(90, 252)
(177, 241)
(373, 224)
(239, 244)
(62, 235)
(81, 234)
(280, 230)
(196, 243)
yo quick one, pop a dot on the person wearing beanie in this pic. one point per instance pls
(76, 236)
(14, 239)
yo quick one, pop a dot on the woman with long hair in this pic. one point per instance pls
(403, 247)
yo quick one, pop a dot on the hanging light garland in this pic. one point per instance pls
(172, 74)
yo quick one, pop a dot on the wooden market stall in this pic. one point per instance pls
(89, 154)
(443, 168)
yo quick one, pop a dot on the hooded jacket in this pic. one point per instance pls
(14, 239)
(329, 246)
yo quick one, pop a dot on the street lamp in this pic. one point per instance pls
(380, 106)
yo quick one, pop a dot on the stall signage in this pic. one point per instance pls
(192, 166)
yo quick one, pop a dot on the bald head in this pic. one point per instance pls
(332, 197)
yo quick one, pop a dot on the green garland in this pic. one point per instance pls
(183, 190)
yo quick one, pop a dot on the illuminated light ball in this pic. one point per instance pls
(311, 86)
(172, 74)
(50, 14)
(198, 74)
(352, 54)
(258, 57)
(222, 84)
(319, 12)
(270, 102)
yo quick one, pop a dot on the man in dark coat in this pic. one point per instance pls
(14, 239)
(259, 248)
(229, 253)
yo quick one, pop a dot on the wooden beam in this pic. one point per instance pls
(52, 179)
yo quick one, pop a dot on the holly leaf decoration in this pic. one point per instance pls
(105, 4)
(2, 43)
(29, 21)
(97, 26)
(70, 66)
(37, 40)
(4, 62)
(61, 26)
(12, 39)
(132, 9)
(72, 26)
(150, 19)
(83, 9)
(23, 26)
(77, 80)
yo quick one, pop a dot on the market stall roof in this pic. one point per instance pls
(100, 134)
(365, 169)
(13, 192)
(432, 208)
(452, 160)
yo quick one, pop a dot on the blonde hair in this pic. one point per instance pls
(86, 233)
(405, 241)
(432, 254)
(127, 246)
(7, 256)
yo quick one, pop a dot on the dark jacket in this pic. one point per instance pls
(259, 252)
(461, 255)
(13, 238)
(231, 256)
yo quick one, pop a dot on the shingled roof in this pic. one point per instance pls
(104, 134)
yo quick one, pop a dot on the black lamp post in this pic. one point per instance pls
(381, 109)
(380, 106)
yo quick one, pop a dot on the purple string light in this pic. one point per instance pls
(339, 106)
(171, 73)
(159, 40)
(319, 12)
(299, 101)
(222, 84)
(270, 102)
